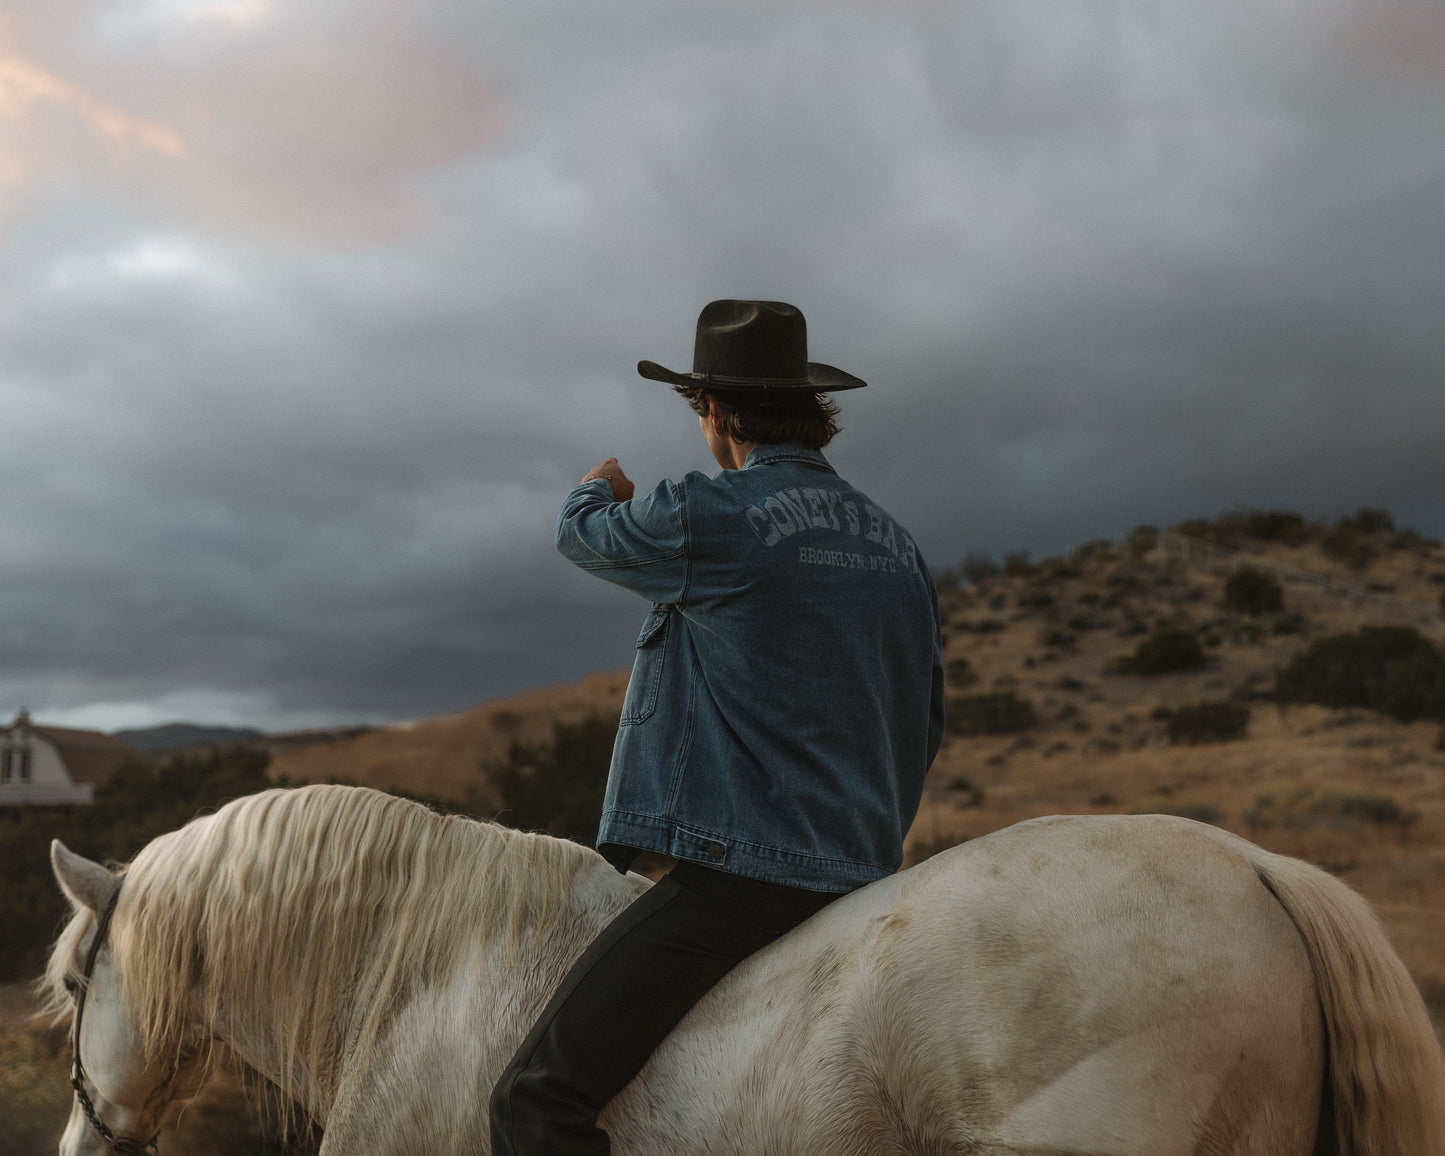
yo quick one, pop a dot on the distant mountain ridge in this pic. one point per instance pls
(153, 740)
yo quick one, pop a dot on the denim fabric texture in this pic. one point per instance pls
(786, 697)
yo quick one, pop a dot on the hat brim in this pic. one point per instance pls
(821, 379)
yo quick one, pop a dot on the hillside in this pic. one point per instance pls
(445, 757)
(1351, 789)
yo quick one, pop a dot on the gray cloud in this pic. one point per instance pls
(310, 313)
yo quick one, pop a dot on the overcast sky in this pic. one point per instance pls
(312, 310)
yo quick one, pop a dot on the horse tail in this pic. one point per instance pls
(1386, 1073)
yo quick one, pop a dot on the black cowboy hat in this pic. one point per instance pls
(753, 345)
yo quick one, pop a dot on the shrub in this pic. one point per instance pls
(1275, 526)
(1208, 722)
(1370, 520)
(1163, 652)
(1035, 598)
(1230, 529)
(1391, 669)
(557, 787)
(130, 809)
(1094, 548)
(1300, 807)
(979, 567)
(971, 796)
(1249, 591)
(1287, 624)
(959, 672)
(1355, 540)
(999, 713)
(1142, 539)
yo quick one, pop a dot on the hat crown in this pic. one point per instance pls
(748, 345)
(762, 340)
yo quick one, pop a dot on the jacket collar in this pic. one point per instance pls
(766, 455)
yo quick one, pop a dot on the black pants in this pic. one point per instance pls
(632, 985)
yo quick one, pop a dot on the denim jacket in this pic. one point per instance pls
(786, 698)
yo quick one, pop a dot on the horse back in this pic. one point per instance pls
(1067, 985)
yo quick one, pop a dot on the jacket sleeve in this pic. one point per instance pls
(639, 545)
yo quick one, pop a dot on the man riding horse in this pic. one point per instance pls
(785, 704)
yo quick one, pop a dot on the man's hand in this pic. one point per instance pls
(622, 488)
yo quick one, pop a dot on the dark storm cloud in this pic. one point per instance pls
(309, 313)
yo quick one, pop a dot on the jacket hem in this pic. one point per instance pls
(738, 856)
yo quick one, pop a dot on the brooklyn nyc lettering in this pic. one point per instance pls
(847, 560)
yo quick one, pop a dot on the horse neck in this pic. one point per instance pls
(519, 974)
(511, 968)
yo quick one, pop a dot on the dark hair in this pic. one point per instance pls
(770, 417)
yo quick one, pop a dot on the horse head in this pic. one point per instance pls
(122, 1096)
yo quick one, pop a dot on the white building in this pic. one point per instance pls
(47, 765)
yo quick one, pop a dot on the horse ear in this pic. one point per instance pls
(85, 883)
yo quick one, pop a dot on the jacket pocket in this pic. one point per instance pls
(646, 681)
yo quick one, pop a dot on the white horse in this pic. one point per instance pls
(1095, 985)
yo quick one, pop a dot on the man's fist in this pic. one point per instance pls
(622, 488)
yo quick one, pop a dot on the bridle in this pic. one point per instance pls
(122, 1144)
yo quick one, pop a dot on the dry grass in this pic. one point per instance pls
(1352, 791)
(446, 757)
(34, 1091)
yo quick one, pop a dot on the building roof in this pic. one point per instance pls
(90, 756)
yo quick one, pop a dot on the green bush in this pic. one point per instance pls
(1001, 712)
(1230, 529)
(1249, 591)
(1391, 669)
(1163, 652)
(1035, 599)
(1142, 539)
(557, 787)
(1276, 526)
(1208, 722)
(1370, 520)
(982, 626)
(1092, 549)
(1297, 807)
(130, 809)
(978, 567)
(971, 796)
(1357, 540)
(959, 672)
(1287, 624)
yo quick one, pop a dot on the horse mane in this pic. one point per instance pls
(319, 908)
